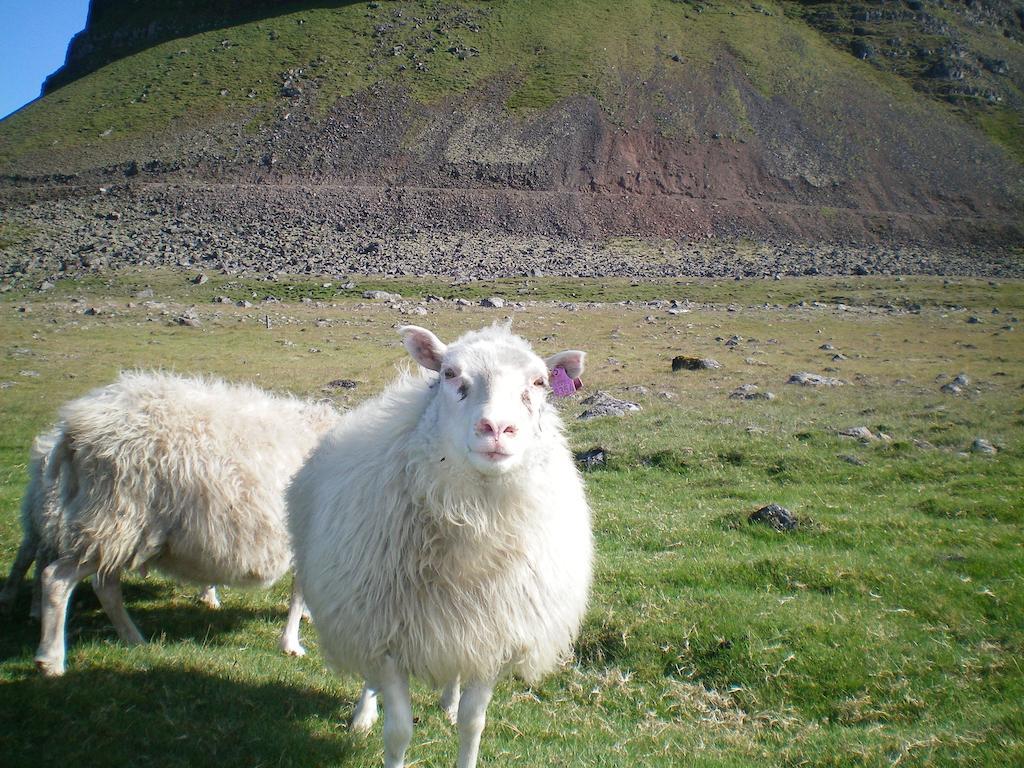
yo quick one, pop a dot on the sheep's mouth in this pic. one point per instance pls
(495, 456)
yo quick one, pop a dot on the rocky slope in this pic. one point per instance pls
(309, 132)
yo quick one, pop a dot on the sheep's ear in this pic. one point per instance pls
(571, 361)
(425, 348)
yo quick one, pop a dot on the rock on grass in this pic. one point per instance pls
(602, 404)
(776, 516)
(687, 363)
(813, 380)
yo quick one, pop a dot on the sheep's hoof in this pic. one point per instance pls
(292, 648)
(50, 667)
(363, 722)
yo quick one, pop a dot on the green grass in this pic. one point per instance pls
(885, 630)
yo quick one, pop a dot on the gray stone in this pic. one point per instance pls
(750, 392)
(687, 363)
(494, 302)
(595, 458)
(813, 380)
(381, 296)
(776, 516)
(189, 318)
(981, 445)
(860, 433)
(851, 459)
(602, 404)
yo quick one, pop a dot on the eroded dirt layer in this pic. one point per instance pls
(336, 230)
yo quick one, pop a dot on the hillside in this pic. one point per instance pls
(879, 124)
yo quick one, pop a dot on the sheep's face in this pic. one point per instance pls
(492, 393)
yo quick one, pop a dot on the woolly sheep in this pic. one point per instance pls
(32, 548)
(32, 504)
(441, 530)
(185, 475)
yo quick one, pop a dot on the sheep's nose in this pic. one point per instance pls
(486, 427)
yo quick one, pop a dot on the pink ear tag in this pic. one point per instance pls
(561, 384)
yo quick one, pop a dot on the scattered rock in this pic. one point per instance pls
(981, 445)
(602, 404)
(776, 516)
(851, 459)
(381, 296)
(145, 293)
(342, 384)
(189, 318)
(686, 363)
(494, 302)
(861, 433)
(200, 279)
(46, 285)
(595, 458)
(750, 392)
(813, 380)
(957, 385)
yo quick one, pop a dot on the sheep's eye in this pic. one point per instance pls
(449, 373)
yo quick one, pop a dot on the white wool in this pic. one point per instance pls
(183, 474)
(404, 550)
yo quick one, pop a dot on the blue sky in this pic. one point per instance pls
(34, 36)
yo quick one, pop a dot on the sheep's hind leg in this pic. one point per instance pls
(393, 685)
(450, 700)
(22, 561)
(59, 580)
(289, 642)
(108, 590)
(43, 558)
(472, 718)
(365, 713)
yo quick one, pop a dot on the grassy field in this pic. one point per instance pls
(887, 630)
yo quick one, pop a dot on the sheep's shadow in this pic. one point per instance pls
(168, 717)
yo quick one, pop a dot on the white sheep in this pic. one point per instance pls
(32, 520)
(38, 493)
(441, 530)
(184, 475)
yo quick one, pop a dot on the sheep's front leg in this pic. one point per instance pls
(108, 590)
(289, 642)
(393, 685)
(22, 561)
(59, 580)
(208, 597)
(472, 718)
